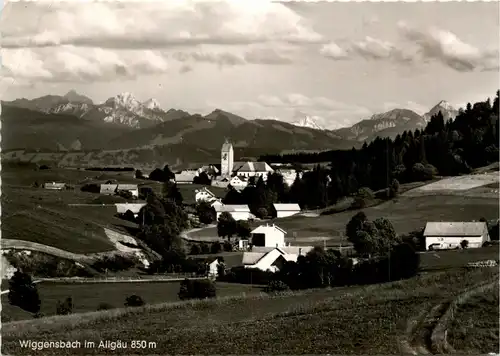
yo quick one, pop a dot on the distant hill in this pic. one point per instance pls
(388, 124)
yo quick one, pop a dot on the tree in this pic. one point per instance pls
(227, 246)
(394, 188)
(226, 226)
(404, 261)
(134, 301)
(354, 225)
(205, 212)
(64, 308)
(464, 244)
(139, 174)
(243, 229)
(172, 193)
(157, 175)
(195, 249)
(23, 292)
(204, 248)
(167, 173)
(197, 289)
(129, 216)
(215, 247)
(202, 179)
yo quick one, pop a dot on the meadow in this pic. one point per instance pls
(405, 213)
(87, 296)
(349, 320)
(475, 325)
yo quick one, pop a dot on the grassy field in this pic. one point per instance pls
(432, 261)
(406, 214)
(350, 320)
(87, 296)
(475, 325)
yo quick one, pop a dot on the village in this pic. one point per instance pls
(265, 248)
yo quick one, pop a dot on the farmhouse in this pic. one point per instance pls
(238, 183)
(238, 212)
(268, 236)
(108, 189)
(185, 177)
(121, 208)
(285, 210)
(272, 259)
(132, 188)
(54, 186)
(205, 195)
(448, 235)
(211, 170)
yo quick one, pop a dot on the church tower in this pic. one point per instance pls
(227, 159)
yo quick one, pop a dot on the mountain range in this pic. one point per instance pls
(73, 122)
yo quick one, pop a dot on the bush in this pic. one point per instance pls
(104, 306)
(262, 213)
(215, 247)
(134, 301)
(197, 289)
(195, 249)
(125, 194)
(464, 244)
(129, 216)
(23, 292)
(205, 249)
(91, 188)
(394, 188)
(64, 308)
(113, 263)
(423, 173)
(276, 286)
(228, 247)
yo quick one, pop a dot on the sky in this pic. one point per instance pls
(338, 63)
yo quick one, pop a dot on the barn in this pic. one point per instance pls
(449, 235)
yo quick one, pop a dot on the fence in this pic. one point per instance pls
(171, 277)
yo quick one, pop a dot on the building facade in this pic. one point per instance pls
(268, 236)
(449, 235)
(227, 159)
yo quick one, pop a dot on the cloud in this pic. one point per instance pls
(417, 47)
(69, 63)
(333, 51)
(159, 24)
(445, 47)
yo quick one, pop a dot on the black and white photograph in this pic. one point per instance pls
(249, 177)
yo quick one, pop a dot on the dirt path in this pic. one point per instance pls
(426, 332)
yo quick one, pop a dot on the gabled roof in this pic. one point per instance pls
(262, 229)
(185, 177)
(127, 186)
(232, 208)
(205, 190)
(290, 250)
(458, 229)
(287, 207)
(252, 258)
(54, 185)
(251, 167)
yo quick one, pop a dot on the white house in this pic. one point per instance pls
(185, 177)
(268, 236)
(285, 210)
(205, 195)
(108, 189)
(238, 212)
(54, 186)
(252, 169)
(212, 268)
(272, 259)
(238, 183)
(132, 188)
(121, 208)
(449, 235)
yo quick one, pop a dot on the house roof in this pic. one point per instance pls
(457, 229)
(232, 208)
(231, 259)
(206, 191)
(185, 177)
(251, 258)
(108, 187)
(127, 186)
(54, 184)
(293, 250)
(262, 229)
(250, 167)
(286, 207)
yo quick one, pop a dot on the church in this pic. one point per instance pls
(230, 168)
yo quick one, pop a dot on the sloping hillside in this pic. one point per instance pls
(25, 128)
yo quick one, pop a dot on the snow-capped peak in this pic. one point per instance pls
(445, 105)
(152, 104)
(124, 100)
(308, 121)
